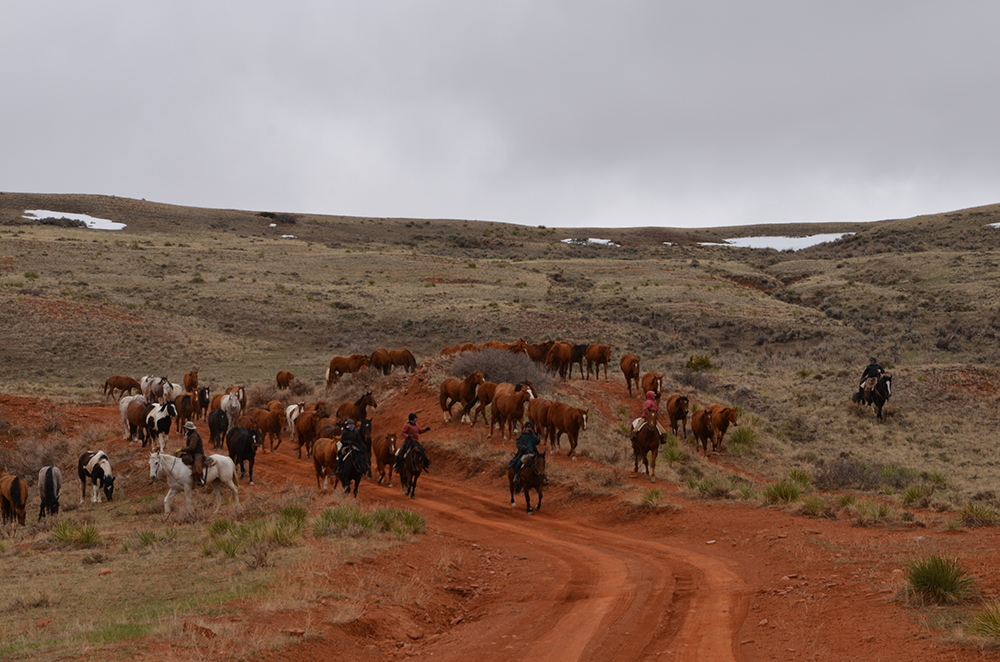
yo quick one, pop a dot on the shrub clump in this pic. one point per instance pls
(699, 363)
(986, 623)
(499, 365)
(978, 514)
(785, 491)
(938, 580)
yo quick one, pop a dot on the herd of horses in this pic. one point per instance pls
(157, 404)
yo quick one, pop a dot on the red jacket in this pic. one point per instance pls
(412, 430)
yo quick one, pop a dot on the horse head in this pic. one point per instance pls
(155, 464)
(108, 485)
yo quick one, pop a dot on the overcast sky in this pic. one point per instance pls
(569, 113)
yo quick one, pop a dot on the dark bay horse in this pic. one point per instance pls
(13, 497)
(647, 445)
(532, 477)
(677, 409)
(414, 462)
(358, 410)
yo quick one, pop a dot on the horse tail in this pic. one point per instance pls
(15, 493)
(49, 486)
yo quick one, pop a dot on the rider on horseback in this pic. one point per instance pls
(527, 444)
(411, 437)
(872, 371)
(193, 454)
(648, 407)
(350, 439)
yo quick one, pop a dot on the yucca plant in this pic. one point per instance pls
(652, 498)
(785, 491)
(978, 514)
(869, 512)
(938, 580)
(918, 493)
(986, 623)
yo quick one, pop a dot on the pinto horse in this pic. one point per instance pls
(219, 470)
(384, 452)
(96, 466)
(677, 409)
(414, 462)
(646, 444)
(598, 355)
(358, 410)
(630, 368)
(532, 478)
(123, 384)
(13, 497)
(455, 390)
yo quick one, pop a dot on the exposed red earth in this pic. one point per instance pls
(590, 577)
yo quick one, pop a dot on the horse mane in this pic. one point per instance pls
(357, 403)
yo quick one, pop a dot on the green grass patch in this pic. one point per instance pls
(784, 491)
(73, 534)
(110, 633)
(986, 623)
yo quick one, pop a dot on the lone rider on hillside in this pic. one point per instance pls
(872, 370)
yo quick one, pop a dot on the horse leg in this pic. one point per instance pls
(652, 458)
(539, 491)
(236, 492)
(527, 499)
(218, 496)
(250, 462)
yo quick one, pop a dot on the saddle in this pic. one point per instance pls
(208, 462)
(869, 386)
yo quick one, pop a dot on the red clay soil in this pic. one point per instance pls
(598, 578)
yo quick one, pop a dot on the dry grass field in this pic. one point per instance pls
(783, 336)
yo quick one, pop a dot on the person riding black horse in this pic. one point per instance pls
(193, 454)
(350, 439)
(411, 437)
(872, 370)
(527, 444)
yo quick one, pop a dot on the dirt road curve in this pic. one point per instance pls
(608, 595)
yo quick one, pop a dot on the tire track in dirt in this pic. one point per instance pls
(603, 595)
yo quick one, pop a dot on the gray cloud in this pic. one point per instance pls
(560, 113)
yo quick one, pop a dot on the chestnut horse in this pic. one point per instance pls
(538, 414)
(342, 365)
(455, 390)
(384, 452)
(403, 358)
(508, 410)
(568, 420)
(722, 418)
(598, 355)
(652, 382)
(532, 477)
(191, 381)
(13, 497)
(677, 409)
(380, 360)
(284, 379)
(123, 384)
(358, 410)
(559, 358)
(701, 428)
(325, 462)
(630, 368)
(647, 443)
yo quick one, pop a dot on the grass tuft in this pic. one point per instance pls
(938, 580)
(986, 623)
(784, 491)
(978, 514)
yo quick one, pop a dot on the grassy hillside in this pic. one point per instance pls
(787, 334)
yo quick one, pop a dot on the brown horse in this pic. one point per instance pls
(135, 416)
(191, 381)
(532, 477)
(701, 428)
(13, 497)
(123, 384)
(538, 414)
(384, 452)
(307, 427)
(343, 365)
(284, 379)
(577, 357)
(403, 358)
(325, 463)
(646, 443)
(358, 410)
(652, 381)
(538, 351)
(380, 360)
(568, 420)
(677, 409)
(477, 405)
(414, 462)
(722, 418)
(598, 355)
(508, 410)
(630, 368)
(462, 391)
(559, 358)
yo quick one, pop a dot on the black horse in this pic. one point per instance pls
(352, 465)
(877, 395)
(414, 462)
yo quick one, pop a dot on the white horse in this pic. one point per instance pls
(178, 477)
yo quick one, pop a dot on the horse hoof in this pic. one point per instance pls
(531, 512)
(251, 482)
